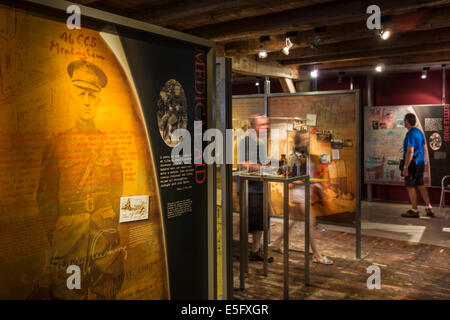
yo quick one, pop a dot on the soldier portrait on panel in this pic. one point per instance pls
(78, 196)
(435, 141)
(171, 111)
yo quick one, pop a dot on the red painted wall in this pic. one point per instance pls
(251, 88)
(409, 88)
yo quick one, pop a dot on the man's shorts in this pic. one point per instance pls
(415, 178)
(255, 212)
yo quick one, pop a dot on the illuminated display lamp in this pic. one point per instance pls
(385, 34)
(289, 43)
(380, 67)
(424, 73)
(314, 73)
(262, 54)
(288, 46)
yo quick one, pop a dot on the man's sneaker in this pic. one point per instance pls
(429, 212)
(410, 214)
(258, 256)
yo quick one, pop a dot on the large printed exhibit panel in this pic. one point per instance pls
(327, 125)
(331, 121)
(87, 185)
(384, 133)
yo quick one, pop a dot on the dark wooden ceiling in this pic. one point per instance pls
(329, 34)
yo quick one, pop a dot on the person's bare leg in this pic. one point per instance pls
(424, 193)
(312, 236)
(256, 244)
(412, 197)
(277, 243)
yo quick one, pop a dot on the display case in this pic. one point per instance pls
(329, 121)
(280, 151)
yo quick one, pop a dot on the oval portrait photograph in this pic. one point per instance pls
(172, 111)
(435, 141)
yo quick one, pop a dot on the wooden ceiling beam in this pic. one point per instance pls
(432, 18)
(124, 8)
(328, 14)
(249, 66)
(84, 2)
(402, 40)
(369, 64)
(375, 54)
(287, 85)
(195, 13)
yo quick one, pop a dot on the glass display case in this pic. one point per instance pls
(282, 150)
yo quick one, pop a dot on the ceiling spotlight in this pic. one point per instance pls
(288, 46)
(385, 34)
(315, 43)
(314, 73)
(425, 72)
(379, 67)
(262, 54)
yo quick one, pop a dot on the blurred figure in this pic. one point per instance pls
(255, 188)
(297, 196)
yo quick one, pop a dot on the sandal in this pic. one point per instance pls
(278, 249)
(259, 256)
(323, 260)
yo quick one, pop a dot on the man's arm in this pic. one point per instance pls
(250, 156)
(408, 159)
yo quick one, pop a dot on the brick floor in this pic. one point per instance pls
(408, 270)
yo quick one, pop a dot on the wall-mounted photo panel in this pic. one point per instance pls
(383, 146)
(86, 118)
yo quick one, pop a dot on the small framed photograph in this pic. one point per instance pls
(134, 208)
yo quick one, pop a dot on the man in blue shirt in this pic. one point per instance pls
(413, 151)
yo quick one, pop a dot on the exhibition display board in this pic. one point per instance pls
(331, 122)
(87, 182)
(384, 133)
(245, 107)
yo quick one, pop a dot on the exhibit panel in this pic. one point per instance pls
(384, 133)
(247, 106)
(87, 181)
(333, 125)
(174, 98)
(329, 122)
